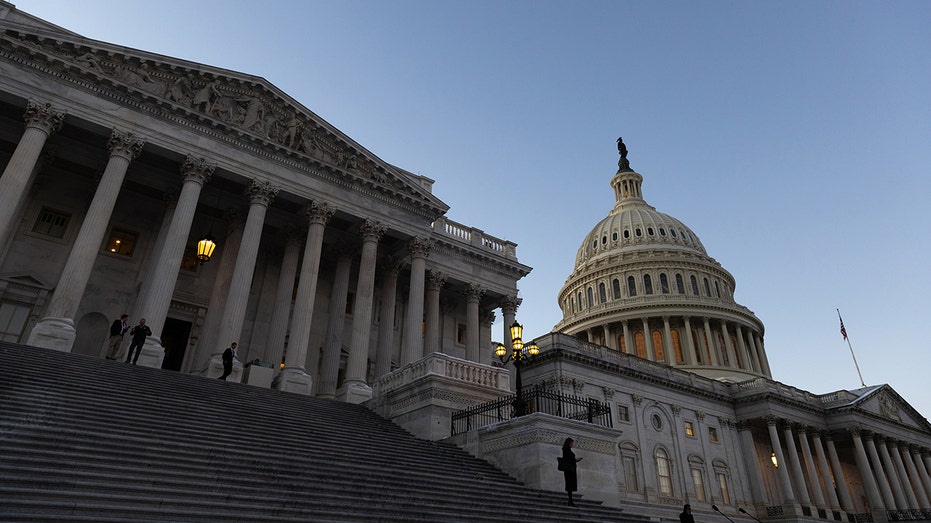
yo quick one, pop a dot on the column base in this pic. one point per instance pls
(215, 368)
(354, 392)
(53, 333)
(294, 379)
(152, 353)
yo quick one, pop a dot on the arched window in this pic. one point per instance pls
(680, 287)
(663, 472)
(580, 302)
(641, 345)
(591, 297)
(639, 232)
(647, 284)
(658, 348)
(631, 286)
(707, 288)
(602, 294)
(664, 283)
(717, 290)
(616, 287)
(614, 236)
(694, 283)
(676, 345)
(650, 231)
(627, 233)
(572, 305)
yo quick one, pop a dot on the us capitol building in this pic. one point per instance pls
(219, 209)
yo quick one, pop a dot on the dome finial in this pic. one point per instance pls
(622, 164)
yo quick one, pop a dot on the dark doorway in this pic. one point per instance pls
(175, 336)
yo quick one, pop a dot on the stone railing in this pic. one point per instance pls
(474, 237)
(438, 364)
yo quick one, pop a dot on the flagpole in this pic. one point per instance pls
(843, 332)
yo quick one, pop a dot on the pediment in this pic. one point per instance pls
(884, 402)
(25, 280)
(232, 106)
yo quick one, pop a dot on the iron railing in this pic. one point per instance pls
(536, 399)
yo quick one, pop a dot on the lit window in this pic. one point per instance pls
(641, 346)
(690, 429)
(676, 346)
(121, 242)
(722, 482)
(713, 434)
(699, 484)
(51, 223)
(622, 343)
(658, 348)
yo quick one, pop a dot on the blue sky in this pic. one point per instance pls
(793, 137)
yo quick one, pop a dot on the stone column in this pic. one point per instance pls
(294, 377)
(752, 461)
(890, 447)
(606, 333)
(801, 488)
(332, 350)
(487, 320)
(826, 484)
(742, 347)
(882, 479)
(905, 456)
(648, 339)
(846, 502)
(922, 470)
(356, 388)
(431, 341)
(816, 492)
(710, 345)
(473, 294)
(729, 347)
(670, 351)
(389, 294)
(761, 356)
(56, 330)
(278, 326)
(260, 194)
(226, 259)
(412, 347)
(41, 122)
(689, 343)
(866, 472)
(629, 347)
(509, 307)
(782, 469)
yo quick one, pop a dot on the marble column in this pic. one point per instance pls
(882, 479)
(733, 362)
(336, 324)
(910, 497)
(752, 463)
(41, 121)
(826, 482)
(278, 326)
(509, 307)
(761, 355)
(629, 348)
(294, 376)
(816, 491)
(431, 341)
(867, 476)
(892, 474)
(389, 294)
(922, 470)
(412, 347)
(917, 487)
(670, 351)
(689, 343)
(473, 294)
(606, 334)
(710, 345)
(801, 488)
(783, 469)
(56, 330)
(742, 347)
(356, 388)
(840, 480)
(648, 339)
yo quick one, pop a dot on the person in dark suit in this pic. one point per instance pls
(228, 355)
(686, 515)
(569, 468)
(117, 330)
(139, 333)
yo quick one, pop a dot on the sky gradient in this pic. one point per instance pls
(794, 138)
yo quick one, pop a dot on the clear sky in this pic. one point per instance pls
(793, 137)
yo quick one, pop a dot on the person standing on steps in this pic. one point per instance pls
(569, 468)
(117, 330)
(686, 515)
(139, 334)
(228, 355)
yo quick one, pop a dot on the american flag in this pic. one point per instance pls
(843, 331)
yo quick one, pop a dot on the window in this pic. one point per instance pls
(630, 473)
(662, 232)
(604, 240)
(717, 289)
(658, 349)
(664, 283)
(51, 223)
(690, 429)
(672, 232)
(622, 343)
(676, 346)
(650, 231)
(713, 434)
(722, 482)
(623, 413)
(616, 287)
(121, 242)
(680, 287)
(580, 301)
(641, 346)
(614, 236)
(647, 284)
(350, 302)
(663, 472)
(657, 422)
(13, 318)
(638, 232)
(627, 233)
(602, 294)
(631, 286)
(707, 288)
(460, 333)
(694, 283)
(699, 484)
(591, 297)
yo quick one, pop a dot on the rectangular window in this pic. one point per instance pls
(350, 302)
(699, 484)
(713, 434)
(630, 474)
(121, 242)
(722, 482)
(623, 413)
(51, 223)
(13, 318)
(690, 429)
(461, 333)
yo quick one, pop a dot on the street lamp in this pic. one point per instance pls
(519, 354)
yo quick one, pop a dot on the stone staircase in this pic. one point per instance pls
(87, 439)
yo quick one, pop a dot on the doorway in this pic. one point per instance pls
(175, 336)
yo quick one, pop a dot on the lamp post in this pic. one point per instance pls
(519, 354)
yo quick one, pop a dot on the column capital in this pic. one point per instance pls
(420, 247)
(489, 317)
(123, 144)
(509, 304)
(473, 292)
(197, 170)
(435, 280)
(854, 432)
(43, 117)
(391, 266)
(261, 192)
(318, 212)
(372, 231)
(742, 425)
(772, 421)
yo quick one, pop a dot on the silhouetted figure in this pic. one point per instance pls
(569, 468)
(686, 515)
(117, 329)
(139, 334)
(621, 148)
(228, 356)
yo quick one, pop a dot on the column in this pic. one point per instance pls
(332, 350)
(711, 349)
(509, 307)
(846, 502)
(827, 485)
(648, 339)
(866, 473)
(816, 492)
(782, 469)
(609, 339)
(891, 448)
(742, 347)
(389, 294)
(729, 347)
(761, 356)
(356, 388)
(431, 341)
(667, 339)
(689, 343)
(486, 322)
(473, 294)
(294, 377)
(918, 488)
(261, 194)
(278, 326)
(41, 122)
(801, 488)
(226, 258)
(56, 330)
(629, 348)
(752, 461)
(412, 348)
(881, 478)
(922, 470)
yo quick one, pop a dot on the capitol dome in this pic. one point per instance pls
(644, 284)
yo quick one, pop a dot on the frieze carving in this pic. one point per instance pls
(888, 409)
